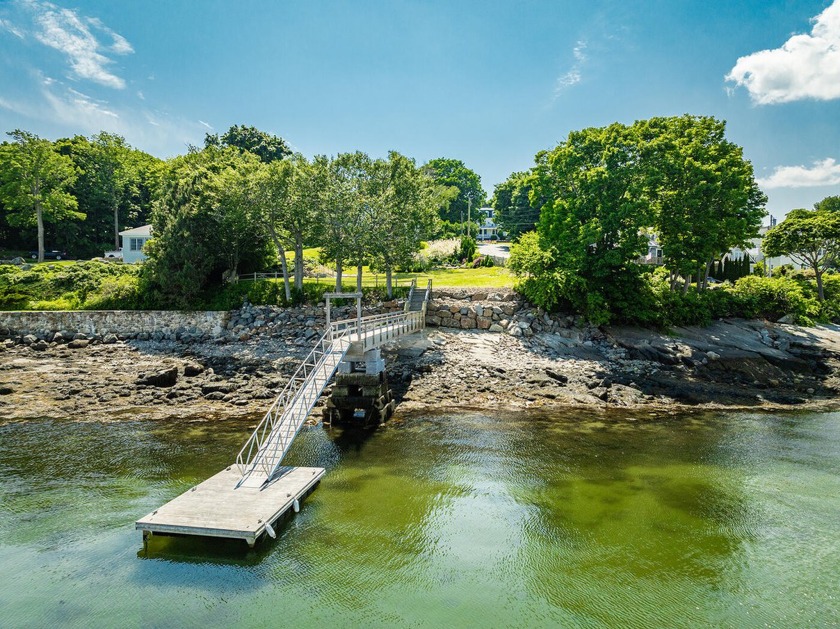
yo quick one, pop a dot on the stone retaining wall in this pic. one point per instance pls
(499, 311)
(146, 324)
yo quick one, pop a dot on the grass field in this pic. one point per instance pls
(484, 277)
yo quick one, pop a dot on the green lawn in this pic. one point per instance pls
(484, 277)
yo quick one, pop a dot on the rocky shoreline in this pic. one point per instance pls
(480, 350)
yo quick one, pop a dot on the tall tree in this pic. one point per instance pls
(34, 183)
(810, 237)
(828, 204)
(516, 211)
(113, 188)
(404, 212)
(264, 145)
(286, 200)
(705, 197)
(471, 196)
(592, 222)
(343, 219)
(204, 226)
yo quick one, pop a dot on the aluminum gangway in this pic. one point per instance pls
(262, 455)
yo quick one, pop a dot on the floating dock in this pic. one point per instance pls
(215, 509)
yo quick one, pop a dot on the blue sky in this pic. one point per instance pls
(490, 83)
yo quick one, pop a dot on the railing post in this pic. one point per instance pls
(359, 317)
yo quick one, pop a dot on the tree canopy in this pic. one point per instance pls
(34, 183)
(453, 172)
(810, 237)
(203, 222)
(264, 145)
(605, 189)
(516, 212)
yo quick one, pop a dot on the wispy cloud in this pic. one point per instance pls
(77, 37)
(805, 67)
(6, 25)
(204, 124)
(573, 76)
(824, 172)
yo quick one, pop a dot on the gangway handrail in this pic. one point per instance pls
(410, 294)
(271, 439)
(265, 430)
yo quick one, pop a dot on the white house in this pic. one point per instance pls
(133, 241)
(488, 230)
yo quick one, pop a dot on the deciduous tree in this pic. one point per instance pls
(453, 172)
(264, 145)
(810, 237)
(34, 183)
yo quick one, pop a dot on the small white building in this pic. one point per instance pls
(488, 230)
(133, 241)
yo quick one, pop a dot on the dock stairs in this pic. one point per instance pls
(262, 455)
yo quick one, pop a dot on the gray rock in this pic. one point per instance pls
(29, 339)
(163, 378)
(193, 369)
(110, 339)
(78, 344)
(712, 355)
(496, 328)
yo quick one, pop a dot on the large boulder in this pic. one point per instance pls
(163, 378)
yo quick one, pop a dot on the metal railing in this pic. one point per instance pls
(264, 450)
(272, 437)
(379, 329)
(411, 290)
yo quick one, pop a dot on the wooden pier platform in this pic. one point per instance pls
(215, 509)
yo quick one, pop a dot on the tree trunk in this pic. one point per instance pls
(672, 280)
(281, 251)
(358, 278)
(686, 284)
(116, 227)
(299, 265)
(706, 274)
(284, 265)
(818, 272)
(388, 289)
(40, 216)
(338, 273)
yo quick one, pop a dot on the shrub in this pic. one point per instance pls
(774, 297)
(115, 293)
(468, 248)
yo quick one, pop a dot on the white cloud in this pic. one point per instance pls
(573, 76)
(824, 172)
(69, 33)
(6, 25)
(805, 67)
(204, 124)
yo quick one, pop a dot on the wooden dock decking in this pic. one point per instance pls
(215, 509)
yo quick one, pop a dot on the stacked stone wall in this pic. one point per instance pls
(500, 312)
(124, 324)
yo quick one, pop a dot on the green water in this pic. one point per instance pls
(445, 521)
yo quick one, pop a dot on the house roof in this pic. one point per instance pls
(143, 230)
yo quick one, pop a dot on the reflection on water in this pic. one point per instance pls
(448, 520)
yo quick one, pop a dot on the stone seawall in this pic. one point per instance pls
(124, 324)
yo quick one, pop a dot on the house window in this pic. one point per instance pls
(136, 244)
